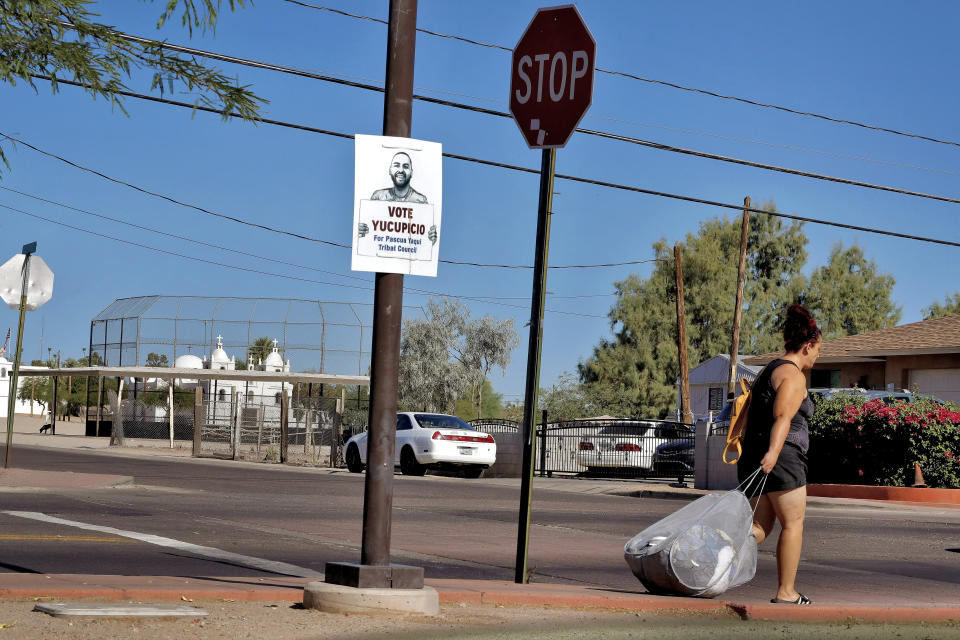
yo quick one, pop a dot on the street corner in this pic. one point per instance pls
(31, 479)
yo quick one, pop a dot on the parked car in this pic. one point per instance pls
(885, 395)
(675, 458)
(628, 445)
(430, 441)
(720, 421)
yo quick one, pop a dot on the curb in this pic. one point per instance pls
(900, 494)
(840, 613)
(40, 586)
(453, 591)
(664, 494)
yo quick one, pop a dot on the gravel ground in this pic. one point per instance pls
(281, 621)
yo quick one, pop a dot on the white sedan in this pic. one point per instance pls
(430, 440)
(629, 444)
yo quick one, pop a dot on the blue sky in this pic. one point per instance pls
(889, 64)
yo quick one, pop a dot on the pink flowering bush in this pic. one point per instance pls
(858, 442)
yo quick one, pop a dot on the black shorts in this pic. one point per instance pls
(790, 471)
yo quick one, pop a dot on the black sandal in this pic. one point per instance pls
(801, 599)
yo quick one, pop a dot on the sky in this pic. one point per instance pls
(885, 64)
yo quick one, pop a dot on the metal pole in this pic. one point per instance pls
(197, 419)
(284, 427)
(388, 302)
(96, 428)
(685, 414)
(170, 407)
(86, 407)
(53, 403)
(12, 400)
(543, 444)
(234, 445)
(738, 308)
(548, 164)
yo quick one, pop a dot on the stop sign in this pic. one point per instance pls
(39, 286)
(551, 81)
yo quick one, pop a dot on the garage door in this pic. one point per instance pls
(943, 383)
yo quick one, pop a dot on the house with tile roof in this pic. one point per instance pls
(923, 354)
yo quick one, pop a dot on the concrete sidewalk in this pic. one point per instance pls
(451, 591)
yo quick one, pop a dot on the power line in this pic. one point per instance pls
(183, 238)
(351, 81)
(665, 83)
(773, 145)
(414, 291)
(492, 112)
(181, 255)
(166, 197)
(600, 183)
(274, 229)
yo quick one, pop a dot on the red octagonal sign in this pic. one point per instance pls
(551, 81)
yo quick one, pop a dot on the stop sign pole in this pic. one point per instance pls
(551, 87)
(28, 250)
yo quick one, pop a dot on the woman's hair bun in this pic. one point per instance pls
(799, 327)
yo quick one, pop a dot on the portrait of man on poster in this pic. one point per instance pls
(401, 173)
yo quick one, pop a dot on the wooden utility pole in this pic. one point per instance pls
(738, 307)
(685, 414)
(375, 569)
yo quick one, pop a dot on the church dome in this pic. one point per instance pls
(219, 356)
(188, 361)
(274, 359)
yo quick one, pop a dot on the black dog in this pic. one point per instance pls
(45, 427)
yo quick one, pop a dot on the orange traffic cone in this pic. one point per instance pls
(918, 477)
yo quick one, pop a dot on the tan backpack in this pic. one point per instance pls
(738, 423)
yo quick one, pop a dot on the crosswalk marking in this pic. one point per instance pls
(262, 564)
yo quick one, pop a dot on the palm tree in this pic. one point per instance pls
(260, 349)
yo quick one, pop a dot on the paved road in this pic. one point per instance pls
(451, 526)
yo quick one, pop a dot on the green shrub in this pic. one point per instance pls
(853, 441)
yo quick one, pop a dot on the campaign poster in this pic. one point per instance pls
(398, 193)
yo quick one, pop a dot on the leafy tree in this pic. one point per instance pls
(633, 374)
(62, 38)
(492, 406)
(849, 295)
(486, 343)
(37, 389)
(157, 360)
(565, 400)
(950, 306)
(430, 378)
(448, 354)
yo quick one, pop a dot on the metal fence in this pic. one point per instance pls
(246, 427)
(142, 415)
(238, 426)
(619, 448)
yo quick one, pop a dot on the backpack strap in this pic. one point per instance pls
(738, 424)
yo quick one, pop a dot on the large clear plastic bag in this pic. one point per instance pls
(701, 550)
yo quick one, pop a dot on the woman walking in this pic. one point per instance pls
(776, 440)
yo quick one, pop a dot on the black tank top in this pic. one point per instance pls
(760, 417)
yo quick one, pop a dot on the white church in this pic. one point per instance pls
(222, 389)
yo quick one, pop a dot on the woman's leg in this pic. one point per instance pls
(790, 508)
(763, 518)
